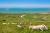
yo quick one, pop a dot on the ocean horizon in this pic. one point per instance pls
(24, 10)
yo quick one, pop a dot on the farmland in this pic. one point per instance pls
(35, 19)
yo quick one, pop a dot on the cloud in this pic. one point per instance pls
(25, 5)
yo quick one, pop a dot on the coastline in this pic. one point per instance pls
(28, 13)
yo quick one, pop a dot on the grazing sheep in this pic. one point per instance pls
(19, 26)
(4, 23)
(13, 23)
(22, 16)
(39, 27)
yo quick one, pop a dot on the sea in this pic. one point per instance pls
(24, 10)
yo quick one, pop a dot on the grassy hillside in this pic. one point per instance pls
(35, 19)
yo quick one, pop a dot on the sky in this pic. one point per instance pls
(25, 3)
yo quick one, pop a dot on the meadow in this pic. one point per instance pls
(35, 19)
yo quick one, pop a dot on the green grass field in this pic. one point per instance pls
(35, 19)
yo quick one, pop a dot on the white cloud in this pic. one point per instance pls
(25, 5)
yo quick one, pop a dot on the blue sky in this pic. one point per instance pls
(25, 3)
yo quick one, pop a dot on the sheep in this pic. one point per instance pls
(13, 23)
(19, 26)
(39, 27)
(22, 16)
(4, 23)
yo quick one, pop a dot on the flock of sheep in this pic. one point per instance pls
(33, 27)
(36, 27)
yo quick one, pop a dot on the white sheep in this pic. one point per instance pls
(22, 16)
(19, 26)
(4, 23)
(13, 23)
(37, 27)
